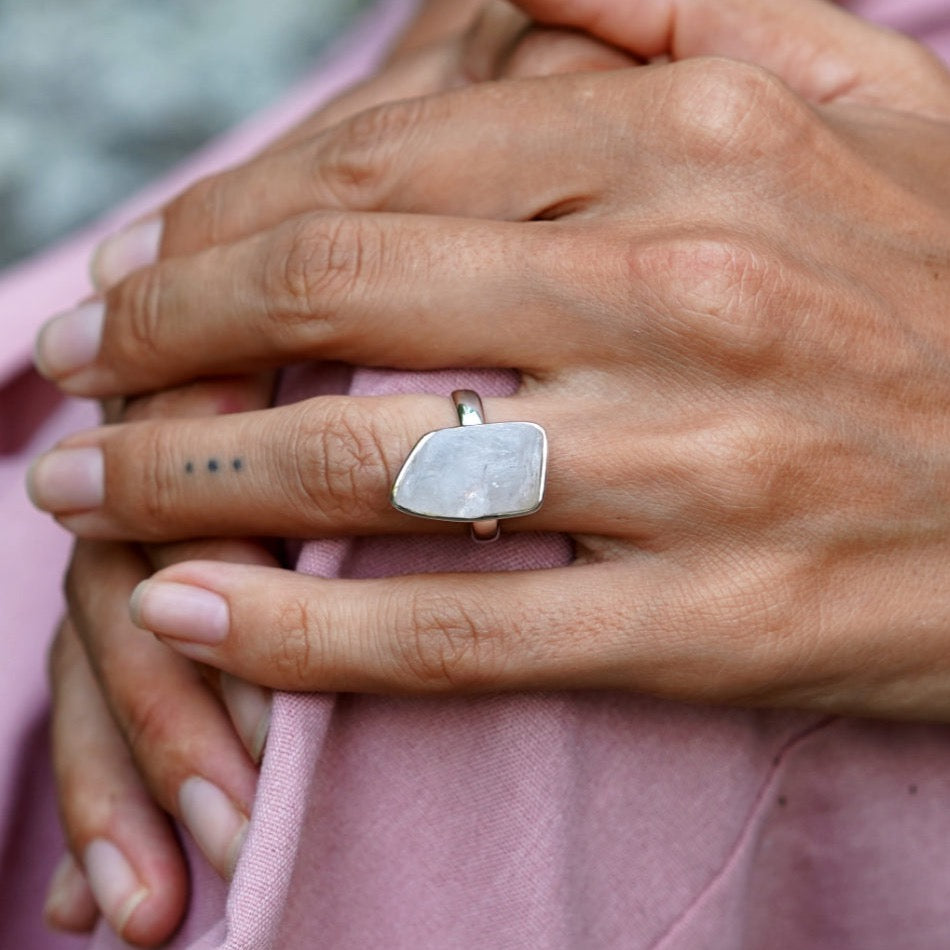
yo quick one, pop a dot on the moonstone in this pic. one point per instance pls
(474, 472)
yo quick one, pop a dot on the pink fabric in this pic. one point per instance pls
(542, 821)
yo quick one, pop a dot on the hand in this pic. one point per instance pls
(110, 682)
(733, 328)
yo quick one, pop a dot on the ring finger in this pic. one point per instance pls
(324, 467)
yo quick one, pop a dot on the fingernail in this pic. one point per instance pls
(70, 341)
(249, 706)
(67, 480)
(120, 254)
(180, 611)
(217, 826)
(69, 902)
(117, 889)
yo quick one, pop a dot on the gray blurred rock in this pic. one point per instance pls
(99, 96)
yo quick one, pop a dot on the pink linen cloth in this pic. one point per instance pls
(529, 821)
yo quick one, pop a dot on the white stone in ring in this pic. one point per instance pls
(474, 473)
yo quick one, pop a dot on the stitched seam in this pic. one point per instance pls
(687, 914)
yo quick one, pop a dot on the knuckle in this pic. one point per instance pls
(296, 637)
(85, 811)
(313, 263)
(137, 331)
(719, 295)
(357, 165)
(445, 643)
(338, 453)
(146, 501)
(148, 725)
(743, 462)
(195, 218)
(719, 107)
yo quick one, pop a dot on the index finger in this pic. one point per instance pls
(198, 219)
(369, 156)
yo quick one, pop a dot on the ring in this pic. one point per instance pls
(478, 471)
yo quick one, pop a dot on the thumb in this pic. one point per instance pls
(821, 51)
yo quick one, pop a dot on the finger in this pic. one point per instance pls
(681, 625)
(181, 739)
(646, 625)
(272, 298)
(275, 185)
(124, 843)
(412, 634)
(70, 341)
(330, 286)
(820, 50)
(206, 397)
(325, 467)
(503, 43)
(436, 23)
(197, 219)
(490, 40)
(549, 52)
(248, 705)
(320, 467)
(428, 68)
(70, 904)
(357, 163)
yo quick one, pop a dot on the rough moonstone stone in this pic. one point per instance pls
(470, 473)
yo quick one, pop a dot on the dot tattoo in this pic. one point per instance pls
(215, 465)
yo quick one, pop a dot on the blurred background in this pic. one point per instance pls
(99, 96)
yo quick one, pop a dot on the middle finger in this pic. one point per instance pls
(327, 286)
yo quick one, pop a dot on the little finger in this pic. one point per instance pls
(647, 624)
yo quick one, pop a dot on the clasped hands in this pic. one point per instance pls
(723, 282)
